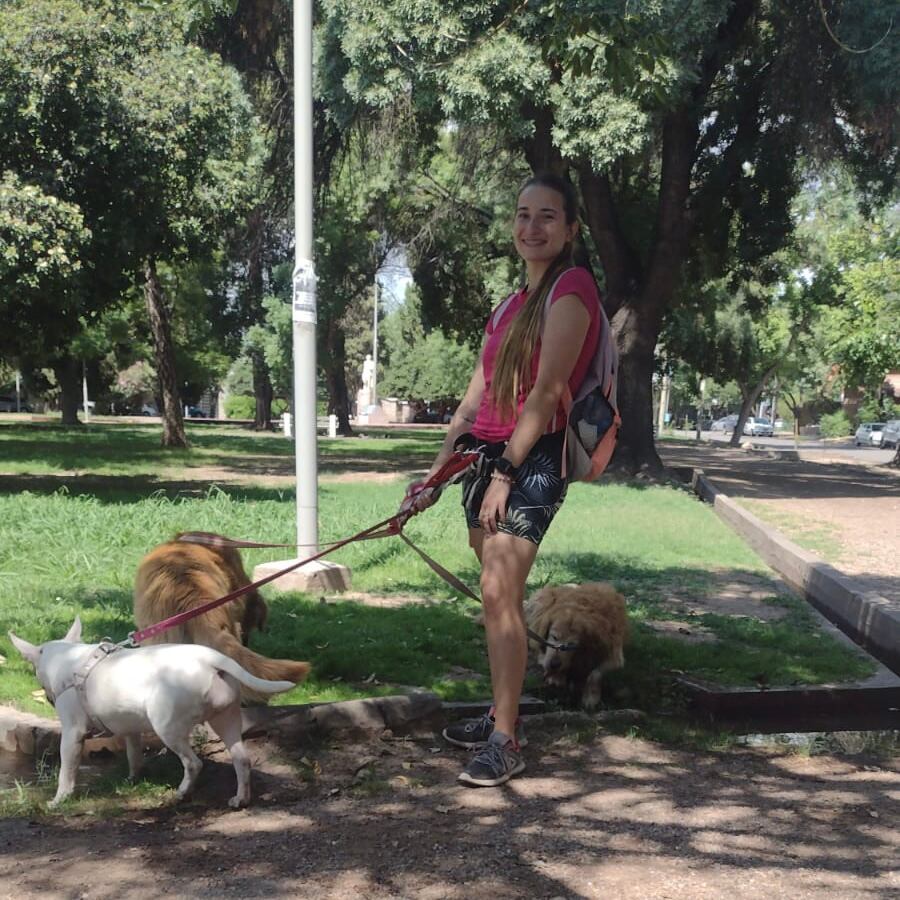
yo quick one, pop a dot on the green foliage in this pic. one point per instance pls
(240, 406)
(273, 337)
(834, 425)
(146, 143)
(195, 134)
(419, 365)
(137, 381)
(878, 409)
(41, 240)
(240, 377)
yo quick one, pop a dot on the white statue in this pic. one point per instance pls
(368, 374)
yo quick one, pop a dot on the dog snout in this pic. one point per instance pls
(555, 664)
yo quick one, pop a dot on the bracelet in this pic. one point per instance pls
(499, 476)
(505, 467)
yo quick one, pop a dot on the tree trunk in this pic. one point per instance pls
(539, 149)
(336, 379)
(750, 398)
(164, 352)
(262, 391)
(747, 402)
(637, 330)
(637, 295)
(68, 376)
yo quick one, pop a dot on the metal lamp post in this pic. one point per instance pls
(318, 575)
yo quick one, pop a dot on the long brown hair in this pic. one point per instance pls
(512, 368)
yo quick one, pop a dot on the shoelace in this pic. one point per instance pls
(493, 755)
(479, 723)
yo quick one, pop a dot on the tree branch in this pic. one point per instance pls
(620, 263)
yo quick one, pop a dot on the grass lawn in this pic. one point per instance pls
(821, 538)
(71, 545)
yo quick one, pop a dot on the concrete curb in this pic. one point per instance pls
(772, 452)
(868, 618)
(36, 736)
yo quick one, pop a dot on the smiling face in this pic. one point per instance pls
(540, 230)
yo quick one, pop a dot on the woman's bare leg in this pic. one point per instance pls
(505, 563)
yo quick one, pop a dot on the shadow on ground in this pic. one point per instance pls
(593, 815)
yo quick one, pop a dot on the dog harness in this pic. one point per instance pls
(78, 680)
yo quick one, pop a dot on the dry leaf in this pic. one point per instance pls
(40, 696)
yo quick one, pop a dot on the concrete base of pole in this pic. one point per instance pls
(316, 577)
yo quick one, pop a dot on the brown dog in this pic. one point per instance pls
(591, 619)
(177, 576)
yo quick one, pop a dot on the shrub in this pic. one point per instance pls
(873, 411)
(240, 406)
(835, 425)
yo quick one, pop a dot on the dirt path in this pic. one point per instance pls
(855, 508)
(598, 816)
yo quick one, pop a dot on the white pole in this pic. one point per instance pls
(320, 575)
(304, 287)
(84, 392)
(18, 391)
(663, 405)
(700, 407)
(375, 347)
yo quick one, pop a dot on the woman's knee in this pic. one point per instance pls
(499, 592)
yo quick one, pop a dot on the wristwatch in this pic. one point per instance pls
(505, 467)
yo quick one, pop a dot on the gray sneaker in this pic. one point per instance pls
(495, 764)
(473, 734)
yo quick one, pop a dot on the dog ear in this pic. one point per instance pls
(74, 633)
(29, 651)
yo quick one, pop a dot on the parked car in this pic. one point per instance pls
(758, 427)
(869, 434)
(8, 404)
(148, 409)
(194, 412)
(726, 423)
(890, 435)
(427, 415)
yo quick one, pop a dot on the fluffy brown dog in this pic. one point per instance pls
(177, 576)
(592, 618)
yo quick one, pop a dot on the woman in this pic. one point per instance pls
(514, 414)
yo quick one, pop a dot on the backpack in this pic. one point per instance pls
(593, 420)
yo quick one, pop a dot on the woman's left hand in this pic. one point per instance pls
(493, 504)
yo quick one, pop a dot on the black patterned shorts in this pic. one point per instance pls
(535, 497)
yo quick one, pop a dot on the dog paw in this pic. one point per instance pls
(239, 802)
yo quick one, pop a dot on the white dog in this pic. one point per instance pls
(168, 689)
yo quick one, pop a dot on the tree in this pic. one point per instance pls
(106, 108)
(682, 124)
(194, 130)
(420, 365)
(41, 242)
(62, 132)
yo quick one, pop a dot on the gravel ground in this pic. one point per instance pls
(592, 816)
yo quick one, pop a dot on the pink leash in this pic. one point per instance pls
(393, 525)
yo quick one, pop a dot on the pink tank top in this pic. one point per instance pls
(489, 424)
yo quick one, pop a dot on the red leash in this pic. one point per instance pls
(393, 525)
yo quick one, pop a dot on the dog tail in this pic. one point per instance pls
(261, 668)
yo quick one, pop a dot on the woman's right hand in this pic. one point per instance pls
(417, 498)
